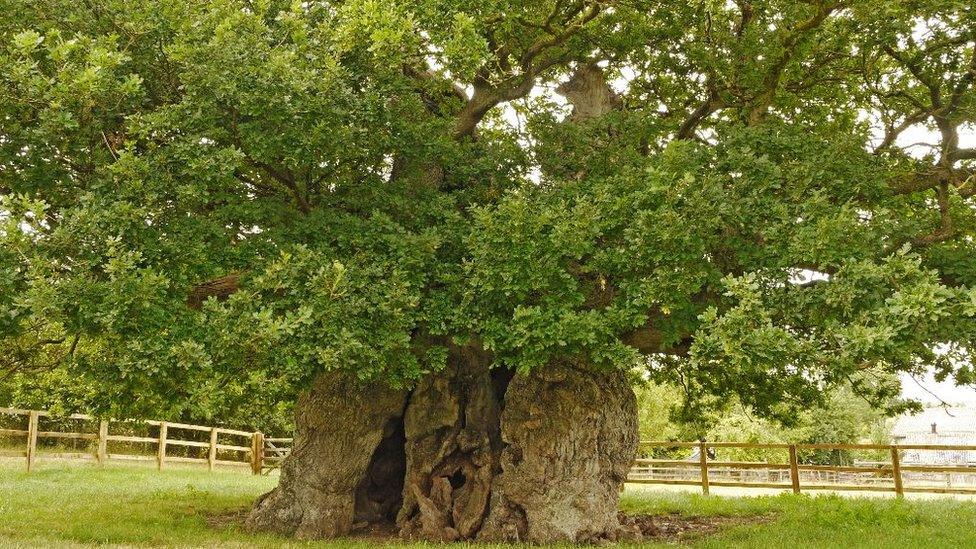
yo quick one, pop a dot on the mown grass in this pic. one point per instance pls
(827, 521)
(74, 506)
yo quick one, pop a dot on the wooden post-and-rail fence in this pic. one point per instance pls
(243, 448)
(262, 454)
(873, 476)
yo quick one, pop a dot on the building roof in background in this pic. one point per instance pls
(953, 426)
(953, 421)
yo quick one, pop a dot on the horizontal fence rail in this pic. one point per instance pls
(222, 446)
(705, 467)
(702, 468)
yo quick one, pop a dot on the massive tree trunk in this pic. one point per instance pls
(471, 453)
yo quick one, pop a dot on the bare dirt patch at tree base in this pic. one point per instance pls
(668, 528)
(674, 527)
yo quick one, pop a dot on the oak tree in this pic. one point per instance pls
(455, 228)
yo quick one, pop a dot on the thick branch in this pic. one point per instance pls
(915, 68)
(892, 132)
(945, 230)
(536, 59)
(912, 183)
(711, 104)
(221, 288)
(790, 44)
(285, 177)
(648, 339)
(963, 154)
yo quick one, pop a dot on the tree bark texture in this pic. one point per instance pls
(343, 469)
(471, 453)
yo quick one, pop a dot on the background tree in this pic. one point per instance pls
(843, 418)
(388, 208)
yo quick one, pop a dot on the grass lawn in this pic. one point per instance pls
(76, 505)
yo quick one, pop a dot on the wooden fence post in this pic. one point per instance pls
(703, 461)
(794, 470)
(896, 471)
(32, 420)
(212, 455)
(161, 452)
(101, 453)
(257, 453)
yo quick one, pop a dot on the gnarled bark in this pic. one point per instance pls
(471, 453)
(570, 438)
(587, 90)
(453, 445)
(346, 466)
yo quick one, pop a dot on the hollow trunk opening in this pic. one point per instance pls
(500, 379)
(380, 493)
(348, 448)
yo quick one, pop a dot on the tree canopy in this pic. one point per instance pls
(205, 204)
